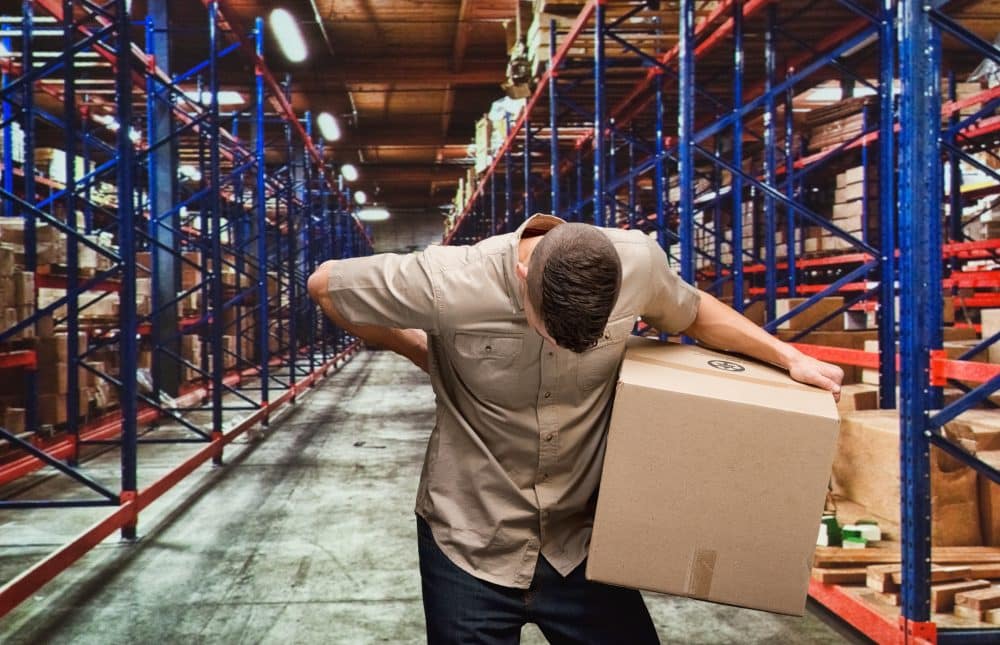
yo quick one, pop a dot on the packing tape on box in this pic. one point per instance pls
(700, 574)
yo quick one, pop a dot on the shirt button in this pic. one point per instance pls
(545, 477)
(548, 437)
(551, 354)
(489, 349)
(548, 394)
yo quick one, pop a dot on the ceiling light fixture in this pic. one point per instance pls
(349, 172)
(226, 97)
(361, 197)
(373, 214)
(328, 126)
(289, 36)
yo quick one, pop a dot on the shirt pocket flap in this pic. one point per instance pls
(469, 345)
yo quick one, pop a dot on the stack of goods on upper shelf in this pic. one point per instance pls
(836, 123)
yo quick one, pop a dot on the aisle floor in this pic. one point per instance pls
(305, 536)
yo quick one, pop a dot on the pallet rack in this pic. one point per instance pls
(716, 111)
(226, 255)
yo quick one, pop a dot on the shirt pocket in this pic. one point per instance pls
(598, 365)
(487, 366)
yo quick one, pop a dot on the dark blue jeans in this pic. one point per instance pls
(461, 608)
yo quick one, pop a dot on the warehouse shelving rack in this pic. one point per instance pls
(694, 112)
(265, 227)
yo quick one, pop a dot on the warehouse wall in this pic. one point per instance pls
(408, 231)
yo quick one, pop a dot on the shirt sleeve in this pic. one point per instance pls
(388, 289)
(673, 303)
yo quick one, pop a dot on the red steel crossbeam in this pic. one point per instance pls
(942, 368)
(813, 288)
(865, 619)
(842, 355)
(21, 587)
(25, 358)
(980, 300)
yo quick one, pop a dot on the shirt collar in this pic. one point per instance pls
(538, 222)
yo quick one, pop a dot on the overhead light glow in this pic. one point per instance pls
(189, 172)
(226, 97)
(349, 172)
(289, 36)
(108, 121)
(328, 126)
(361, 197)
(373, 214)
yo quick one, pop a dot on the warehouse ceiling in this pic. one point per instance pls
(407, 80)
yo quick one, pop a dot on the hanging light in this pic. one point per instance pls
(373, 214)
(361, 197)
(349, 172)
(328, 126)
(289, 36)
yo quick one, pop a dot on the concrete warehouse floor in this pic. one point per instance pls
(305, 537)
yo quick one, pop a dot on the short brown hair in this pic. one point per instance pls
(574, 276)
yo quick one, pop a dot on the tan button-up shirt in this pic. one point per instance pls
(514, 461)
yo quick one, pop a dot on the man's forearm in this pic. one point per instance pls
(722, 327)
(409, 343)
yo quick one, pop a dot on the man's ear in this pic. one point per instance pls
(522, 271)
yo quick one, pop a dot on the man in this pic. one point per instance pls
(522, 335)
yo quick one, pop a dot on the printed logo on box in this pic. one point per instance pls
(727, 366)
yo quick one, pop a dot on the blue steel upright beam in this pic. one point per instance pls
(659, 174)
(508, 203)
(554, 123)
(887, 208)
(919, 291)
(310, 242)
(737, 181)
(263, 324)
(770, 243)
(8, 132)
(790, 233)
(685, 142)
(128, 347)
(599, 115)
(70, 117)
(527, 167)
(30, 249)
(162, 197)
(215, 204)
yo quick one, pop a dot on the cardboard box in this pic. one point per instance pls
(991, 325)
(690, 506)
(51, 409)
(866, 471)
(854, 191)
(13, 420)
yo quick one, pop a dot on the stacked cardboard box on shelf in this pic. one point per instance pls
(832, 125)
(855, 205)
(866, 471)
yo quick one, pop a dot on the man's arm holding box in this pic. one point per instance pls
(718, 325)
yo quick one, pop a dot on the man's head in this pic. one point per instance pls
(571, 280)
